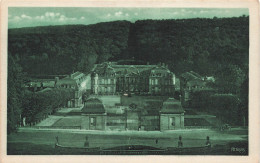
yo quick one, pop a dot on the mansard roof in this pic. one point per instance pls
(191, 75)
(93, 106)
(104, 68)
(129, 70)
(171, 106)
(67, 81)
(77, 75)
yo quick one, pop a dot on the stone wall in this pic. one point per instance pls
(100, 122)
(166, 122)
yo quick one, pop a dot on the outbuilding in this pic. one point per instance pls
(93, 115)
(171, 115)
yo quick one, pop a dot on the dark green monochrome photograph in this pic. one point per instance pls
(127, 81)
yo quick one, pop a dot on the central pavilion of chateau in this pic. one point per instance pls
(110, 78)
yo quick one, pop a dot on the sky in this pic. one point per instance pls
(44, 16)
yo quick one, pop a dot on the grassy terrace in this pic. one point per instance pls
(68, 121)
(42, 142)
(142, 100)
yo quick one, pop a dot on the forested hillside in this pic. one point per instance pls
(62, 49)
(201, 45)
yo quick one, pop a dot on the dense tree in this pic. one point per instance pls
(226, 107)
(229, 78)
(63, 49)
(201, 99)
(88, 58)
(37, 106)
(14, 94)
(192, 44)
(244, 91)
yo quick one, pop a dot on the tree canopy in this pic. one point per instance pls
(197, 44)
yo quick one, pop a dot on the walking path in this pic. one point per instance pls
(49, 121)
(241, 134)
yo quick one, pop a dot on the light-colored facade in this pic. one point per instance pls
(171, 115)
(78, 83)
(189, 83)
(93, 115)
(110, 78)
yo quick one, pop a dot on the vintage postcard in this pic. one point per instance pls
(129, 81)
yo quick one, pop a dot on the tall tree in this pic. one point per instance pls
(14, 94)
(88, 58)
(229, 78)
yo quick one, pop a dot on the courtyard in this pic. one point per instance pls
(70, 118)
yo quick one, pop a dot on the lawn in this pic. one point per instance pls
(190, 112)
(40, 149)
(42, 142)
(108, 100)
(196, 122)
(142, 101)
(49, 121)
(68, 121)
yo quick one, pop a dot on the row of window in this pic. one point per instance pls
(106, 81)
(131, 89)
(195, 87)
(103, 81)
(132, 80)
(155, 82)
(106, 89)
(67, 86)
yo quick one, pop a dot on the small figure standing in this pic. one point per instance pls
(180, 144)
(208, 144)
(86, 144)
(156, 141)
(57, 140)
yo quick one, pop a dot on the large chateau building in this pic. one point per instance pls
(108, 78)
